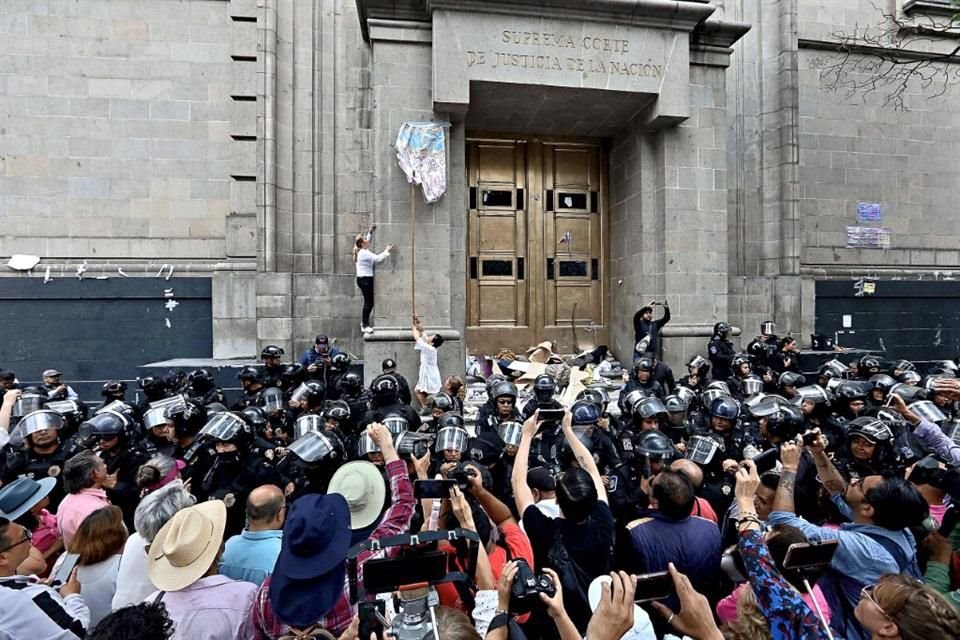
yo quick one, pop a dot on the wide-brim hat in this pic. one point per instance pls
(362, 486)
(309, 574)
(642, 626)
(186, 546)
(23, 494)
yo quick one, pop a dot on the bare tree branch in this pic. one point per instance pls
(883, 58)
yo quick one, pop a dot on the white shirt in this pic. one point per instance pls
(366, 259)
(98, 584)
(133, 585)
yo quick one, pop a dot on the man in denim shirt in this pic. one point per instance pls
(877, 540)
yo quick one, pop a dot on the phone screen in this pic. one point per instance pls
(810, 554)
(370, 622)
(950, 519)
(551, 414)
(389, 574)
(432, 488)
(66, 568)
(653, 586)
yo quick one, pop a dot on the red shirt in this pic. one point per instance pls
(703, 509)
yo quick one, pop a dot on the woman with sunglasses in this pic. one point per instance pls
(900, 607)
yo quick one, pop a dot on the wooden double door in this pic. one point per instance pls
(537, 243)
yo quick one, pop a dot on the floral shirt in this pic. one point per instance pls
(787, 614)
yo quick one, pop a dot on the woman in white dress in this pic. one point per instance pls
(429, 382)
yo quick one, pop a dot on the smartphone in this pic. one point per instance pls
(551, 414)
(426, 489)
(810, 554)
(950, 519)
(767, 460)
(810, 438)
(66, 568)
(383, 575)
(372, 620)
(653, 586)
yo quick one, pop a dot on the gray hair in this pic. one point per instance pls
(158, 507)
(78, 471)
(154, 470)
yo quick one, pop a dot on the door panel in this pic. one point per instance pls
(525, 285)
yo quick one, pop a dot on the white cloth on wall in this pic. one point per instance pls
(422, 154)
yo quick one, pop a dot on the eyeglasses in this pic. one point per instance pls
(867, 593)
(27, 537)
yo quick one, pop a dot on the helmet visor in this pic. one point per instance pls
(814, 393)
(222, 426)
(395, 424)
(751, 386)
(452, 438)
(366, 445)
(63, 407)
(300, 392)
(928, 411)
(312, 446)
(835, 367)
(907, 392)
(39, 421)
(510, 432)
(708, 396)
(272, 400)
(178, 401)
(154, 417)
(310, 423)
(117, 406)
(27, 403)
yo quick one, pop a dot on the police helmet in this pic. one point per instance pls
(882, 382)
(292, 375)
(113, 387)
(452, 438)
(543, 388)
(686, 394)
(450, 419)
(306, 423)
(395, 423)
(768, 328)
(751, 385)
(584, 413)
(271, 351)
(201, 380)
(629, 401)
(106, 425)
(849, 391)
(314, 446)
(151, 384)
(385, 388)
(724, 407)
(870, 429)
(702, 449)
(249, 374)
(709, 395)
(786, 423)
(649, 408)
(227, 426)
(903, 365)
(813, 393)
(790, 379)
(701, 364)
(655, 445)
(868, 364)
(366, 445)
(909, 377)
(28, 402)
(155, 417)
(441, 401)
(340, 361)
(38, 421)
(271, 400)
(254, 417)
(675, 404)
(739, 359)
(351, 383)
(314, 393)
(492, 380)
(504, 388)
(927, 410)
(721, 329)
(644, 364)
(337, 410)
(510, 432)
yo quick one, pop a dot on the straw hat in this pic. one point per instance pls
(186, 546)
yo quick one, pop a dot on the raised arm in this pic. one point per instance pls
(831, 479)
(521, 491)
(790, 458)
(583, 456)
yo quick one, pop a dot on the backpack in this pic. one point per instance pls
(575, 581)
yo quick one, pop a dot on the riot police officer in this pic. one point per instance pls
(249, 378)
(389, 368)
(504, 396)
(237, 468)
(310, 463)
(544, 388)
(154, 388)
(386, 401)
(112, 431)
(43, 454)
(718, 450)
(720, 351)
(273, 368)
(697, 370)
(339, 366)
(203, 388)
(111, 391)
(160, 432)
(642, 379)
(353, 393)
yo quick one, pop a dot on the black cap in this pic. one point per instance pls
(388, 365)
(322, 339)
(541, 479)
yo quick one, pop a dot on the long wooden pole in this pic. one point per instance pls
(413, 248)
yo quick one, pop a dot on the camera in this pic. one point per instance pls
(462, 474)
(527, 587)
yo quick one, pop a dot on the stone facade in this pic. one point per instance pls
(248, 141)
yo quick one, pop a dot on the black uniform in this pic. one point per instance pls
(29, 463)
(488, 418)
(231, 477)
(249, 398)
(720, 352)
(124, 461)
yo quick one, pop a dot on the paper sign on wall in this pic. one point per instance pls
(869, 237)
(868, 212)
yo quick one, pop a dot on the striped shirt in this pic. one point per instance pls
(33, 611)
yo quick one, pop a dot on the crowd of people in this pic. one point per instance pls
(744, 499)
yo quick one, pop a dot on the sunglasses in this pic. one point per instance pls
(27, 537)
(867, 594)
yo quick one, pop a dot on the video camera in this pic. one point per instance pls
(413, 572)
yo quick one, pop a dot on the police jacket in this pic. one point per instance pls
(488, 419)
(533, 404)
(27, 462)
(377, 414)
(125, 462)
(720, 353)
